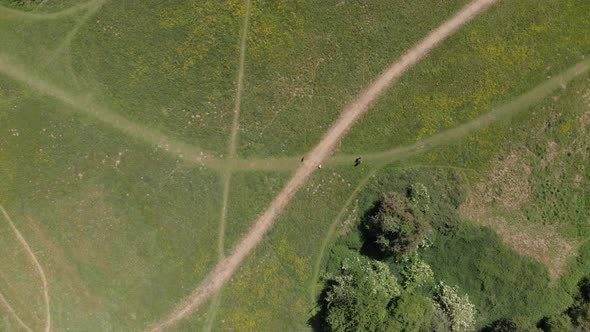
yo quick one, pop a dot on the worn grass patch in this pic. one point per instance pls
(117, 223)
(535, 200)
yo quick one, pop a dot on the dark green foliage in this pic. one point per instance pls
(338, 255)
(363, 295)
(576, 317)
(510, 325)
(411, 312)
(397, 228)
(580, 311)
(557, 323)
(352, 240)
(580, 315)
(585, 289)
(499, 282)
(504, 325)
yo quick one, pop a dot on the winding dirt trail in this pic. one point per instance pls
(228, 265)
(38, 266)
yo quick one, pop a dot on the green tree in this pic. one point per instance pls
(358, 298)
(398, 227)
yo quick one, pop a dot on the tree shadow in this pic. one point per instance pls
(317, 322)
(369, 248)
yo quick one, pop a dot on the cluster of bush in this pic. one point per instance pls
(363, 294)
(366, 296)
(378, 278)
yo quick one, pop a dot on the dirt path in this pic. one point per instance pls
(228, 265)
(25, 245)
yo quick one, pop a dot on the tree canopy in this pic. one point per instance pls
(398, 227)
(359, 297)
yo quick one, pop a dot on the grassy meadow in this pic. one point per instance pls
(100, 100)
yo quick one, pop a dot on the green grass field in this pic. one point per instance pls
(115, 121)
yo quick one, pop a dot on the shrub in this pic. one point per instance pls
(358, 298)
(419, 197)
(460, 311)
(415, 273)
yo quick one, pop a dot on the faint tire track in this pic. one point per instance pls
(67, 40)
(228, 265)
(38, 266)
(240, 83)
(332, 229)
(504, 111)
(8, 13)
(235, 125)
(14, 314)
(85, 105)
(227, 173)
